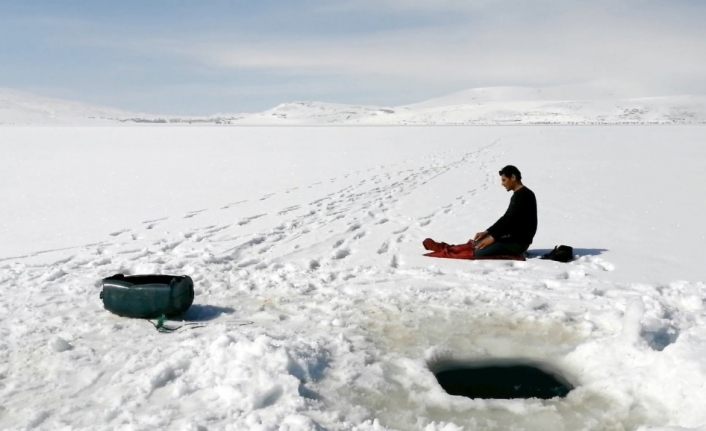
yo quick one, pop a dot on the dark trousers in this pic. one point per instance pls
(500, 249)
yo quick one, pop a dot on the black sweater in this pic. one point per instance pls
(519, 223)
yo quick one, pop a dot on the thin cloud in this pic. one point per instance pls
(524, 56)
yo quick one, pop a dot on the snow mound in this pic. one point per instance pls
(318, 113)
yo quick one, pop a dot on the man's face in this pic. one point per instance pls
(508, 183)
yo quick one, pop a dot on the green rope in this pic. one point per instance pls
(161, 327)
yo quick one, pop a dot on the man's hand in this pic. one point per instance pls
(480, 235)
(485, 242)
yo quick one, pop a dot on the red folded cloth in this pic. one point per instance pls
(461, 251)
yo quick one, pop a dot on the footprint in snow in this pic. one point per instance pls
(193, 213)
(383, 248)
(288, 209)
(341, 253)
(246, 263)
(154, 221)
(129, 251)
(267, 196)
(232, 204)
(247, 220)
(215, 229)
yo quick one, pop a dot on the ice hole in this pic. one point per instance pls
(501, 380)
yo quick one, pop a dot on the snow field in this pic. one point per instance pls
(318, 310)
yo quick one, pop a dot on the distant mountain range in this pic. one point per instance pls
(481, 106)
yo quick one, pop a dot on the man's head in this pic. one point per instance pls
(510, 178)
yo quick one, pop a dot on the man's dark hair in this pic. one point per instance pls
(509, 170)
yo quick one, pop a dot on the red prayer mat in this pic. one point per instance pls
(462, 251)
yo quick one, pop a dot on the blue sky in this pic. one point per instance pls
(204, 57)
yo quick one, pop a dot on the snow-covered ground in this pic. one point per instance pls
(319, 310)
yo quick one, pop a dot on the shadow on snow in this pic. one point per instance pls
(578, 252)
(201, 313)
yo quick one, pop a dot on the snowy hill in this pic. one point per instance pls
(656, 110)
(480, 106)
(319, 113)
(20, 108)
(555, 105)
(494, 106)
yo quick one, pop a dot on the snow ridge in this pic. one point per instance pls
(480, 106)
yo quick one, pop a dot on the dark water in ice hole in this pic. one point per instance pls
(502, 382)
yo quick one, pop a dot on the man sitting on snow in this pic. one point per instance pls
(509, 237)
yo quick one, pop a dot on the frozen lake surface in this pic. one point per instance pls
(319, 310)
